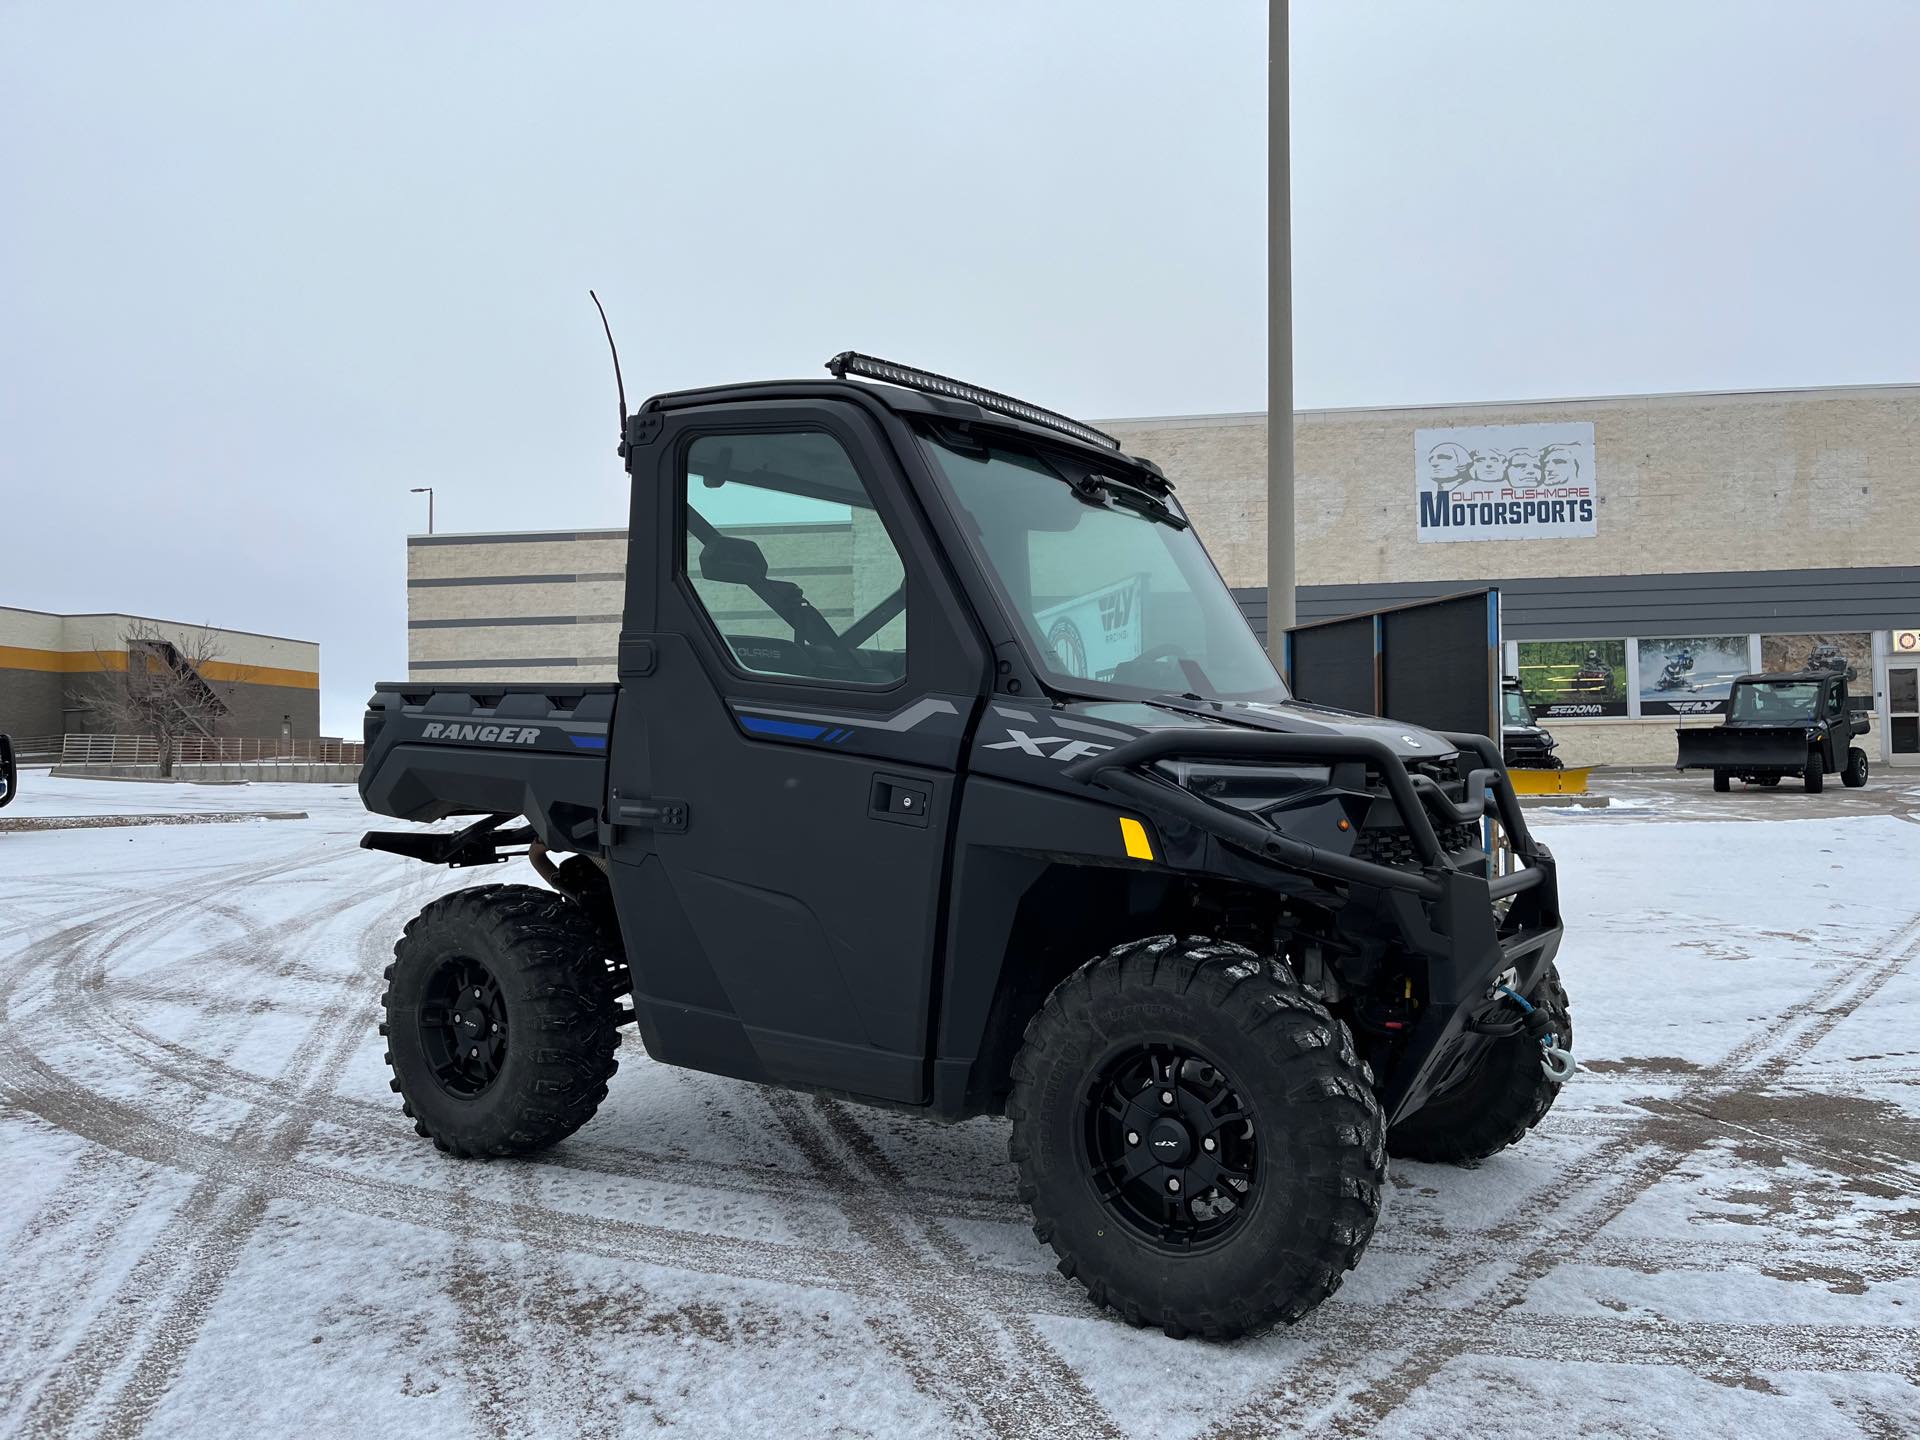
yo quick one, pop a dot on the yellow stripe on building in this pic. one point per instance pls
(88, 662)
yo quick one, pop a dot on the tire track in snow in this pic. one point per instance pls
(176, 1281)
(976, 1372)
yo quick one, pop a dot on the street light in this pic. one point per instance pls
(426, 490)
(1280, 510)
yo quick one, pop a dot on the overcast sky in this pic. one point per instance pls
(263, 268)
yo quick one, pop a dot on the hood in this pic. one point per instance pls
(1291, 717)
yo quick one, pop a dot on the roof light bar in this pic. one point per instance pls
(851, 362)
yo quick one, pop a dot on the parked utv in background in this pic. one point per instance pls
(9, 771)
(1524, 745)
(1779, 725)
(943, 772)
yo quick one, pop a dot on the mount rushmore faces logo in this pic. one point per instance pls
(1505, 482)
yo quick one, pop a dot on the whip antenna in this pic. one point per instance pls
(618, 383)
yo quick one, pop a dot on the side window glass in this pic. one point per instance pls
(790, 560)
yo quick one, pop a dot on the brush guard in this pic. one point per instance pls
(1445, 912)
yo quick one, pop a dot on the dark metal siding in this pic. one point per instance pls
(1735, 602)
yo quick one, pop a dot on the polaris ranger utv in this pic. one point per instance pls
(943, 772)
(1778, 725)
(1525, 744)
(9, 771)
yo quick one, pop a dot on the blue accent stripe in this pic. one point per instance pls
(588, 742)
(788, 729)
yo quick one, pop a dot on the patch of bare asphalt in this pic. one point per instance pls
(1643, 1065)
(115, 822)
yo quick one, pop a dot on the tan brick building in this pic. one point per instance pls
(1722, 532)
(52, 667)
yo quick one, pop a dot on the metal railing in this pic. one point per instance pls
(36, 749)
(199, 750)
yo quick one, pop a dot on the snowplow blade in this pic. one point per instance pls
(1569, 781)
(1731, 748)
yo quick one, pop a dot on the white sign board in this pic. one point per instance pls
(1505, 482)
(1094, 634)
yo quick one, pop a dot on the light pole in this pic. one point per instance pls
(426, 490)
(1280, 559)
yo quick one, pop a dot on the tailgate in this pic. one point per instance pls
(1730, 747)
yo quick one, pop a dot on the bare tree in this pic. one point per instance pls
(158, 686)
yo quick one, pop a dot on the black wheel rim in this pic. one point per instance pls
(463, 1026)
(1171, 1147)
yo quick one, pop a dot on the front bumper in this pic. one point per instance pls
(1443, 906)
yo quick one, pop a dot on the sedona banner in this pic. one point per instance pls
(1505, 482)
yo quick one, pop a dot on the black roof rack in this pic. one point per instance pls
(852, 362)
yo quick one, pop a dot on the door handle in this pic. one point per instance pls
(902, 801)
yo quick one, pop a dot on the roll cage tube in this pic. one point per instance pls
(1121, 771)
(791, 604)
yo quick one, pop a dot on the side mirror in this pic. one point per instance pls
(9, 772)
(733, 561)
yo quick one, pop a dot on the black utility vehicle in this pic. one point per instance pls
(9, 771)
(943, 772)
(1777, 725)
(1525, 744)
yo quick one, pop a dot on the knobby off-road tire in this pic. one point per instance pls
(1312, 1138)
(544, 1038)
(1855, 775)
(1722, 781)
(1499, 1101)
(1816, 775)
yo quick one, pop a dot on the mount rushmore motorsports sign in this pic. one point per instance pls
(1505, 482)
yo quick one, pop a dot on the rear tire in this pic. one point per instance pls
(1722, 782)
(1816, 775)
(500, 1020)
(1855, 775)
(1231, 1034)
(1504, 1097)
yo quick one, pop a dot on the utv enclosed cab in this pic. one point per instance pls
(1798, 724)
(9, 771)
(942, 771)
(1524, 743)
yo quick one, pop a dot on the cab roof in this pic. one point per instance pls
(1790, 677)
(906, 402)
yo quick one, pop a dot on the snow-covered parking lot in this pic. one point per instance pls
(215, 1221)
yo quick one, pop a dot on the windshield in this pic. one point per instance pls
(1114, 591)
(1775, 702)
(1516, 708)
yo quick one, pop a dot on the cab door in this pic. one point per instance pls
(795, 691)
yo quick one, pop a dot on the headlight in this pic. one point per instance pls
(1546, 737)
(1247, 787)
(1813, 734)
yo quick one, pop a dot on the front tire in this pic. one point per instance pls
(500, 1020)
(1816, 774)
(1499, 1101)
(1197, 1138)
(1855, 774)
(1722, 782)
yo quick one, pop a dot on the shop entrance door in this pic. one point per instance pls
(1903, 712)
